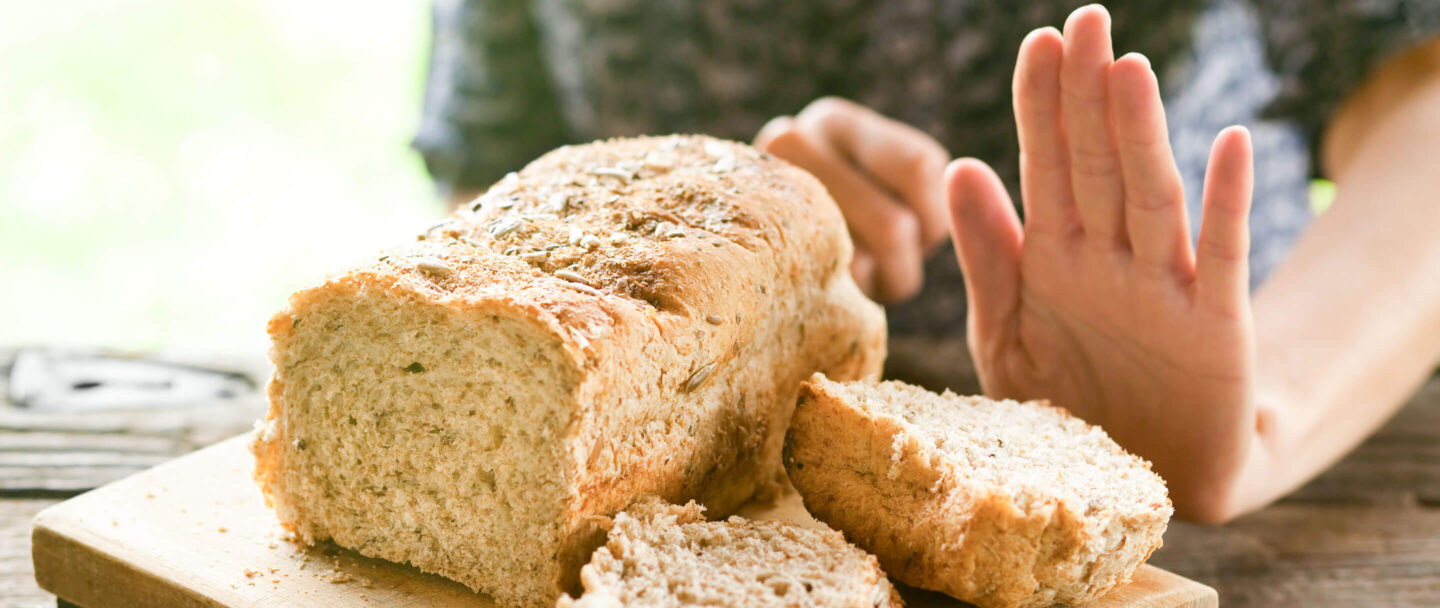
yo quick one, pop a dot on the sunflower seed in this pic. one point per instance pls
(714, 320)
(434, 267)
(503, 227)
(726, 164)
(616, 172)
(535, 256)
(583, 287)
(698, 378)
(572, 276)
(590, 241)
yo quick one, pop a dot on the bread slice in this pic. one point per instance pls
(618, 319)
(997, 503)
(666, 555)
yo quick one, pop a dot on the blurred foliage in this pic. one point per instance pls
(1322, 195)
(171, 169)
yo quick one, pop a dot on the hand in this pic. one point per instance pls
(886, 177)
(1098, 302)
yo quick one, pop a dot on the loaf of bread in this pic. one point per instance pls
(996, 503)
(664, 555)
(618, 319)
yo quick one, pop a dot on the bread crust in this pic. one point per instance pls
(687, 280)
(871, 476)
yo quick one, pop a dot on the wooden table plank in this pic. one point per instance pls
(17, 572)
(1314, 555)
(58, 453)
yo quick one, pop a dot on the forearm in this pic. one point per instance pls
(1350, 324)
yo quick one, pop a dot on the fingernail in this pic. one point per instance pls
(1139, 57)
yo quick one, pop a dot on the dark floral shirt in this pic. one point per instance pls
(511, 79)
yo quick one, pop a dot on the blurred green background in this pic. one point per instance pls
(171, 169)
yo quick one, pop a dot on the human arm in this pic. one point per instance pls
(1099, 303)
(1349, 325)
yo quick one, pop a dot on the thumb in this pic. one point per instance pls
(988, 239)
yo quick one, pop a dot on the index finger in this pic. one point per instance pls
(899, 157)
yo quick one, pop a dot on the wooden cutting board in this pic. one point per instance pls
(195, 532)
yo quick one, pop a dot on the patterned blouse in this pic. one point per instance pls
(511, 79)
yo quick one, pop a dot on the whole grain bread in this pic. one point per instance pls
(663, 555)
(618, 319)
(997, 503)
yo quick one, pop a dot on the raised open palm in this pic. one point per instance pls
(1098, 302)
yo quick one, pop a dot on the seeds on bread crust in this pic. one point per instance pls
(573, 277)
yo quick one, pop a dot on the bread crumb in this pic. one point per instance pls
(222, 529)
(251, 573)
(897, 452)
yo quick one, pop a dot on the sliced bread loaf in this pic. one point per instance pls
(618, 319)
(997, 503)
(659, 554)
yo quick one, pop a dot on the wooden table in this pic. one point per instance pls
(1365, 533)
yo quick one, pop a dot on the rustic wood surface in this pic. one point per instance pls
(1365, 533)
(45, 454)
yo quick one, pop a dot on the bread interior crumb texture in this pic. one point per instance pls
(669, 556)
(414, 419)
(1034, 455)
